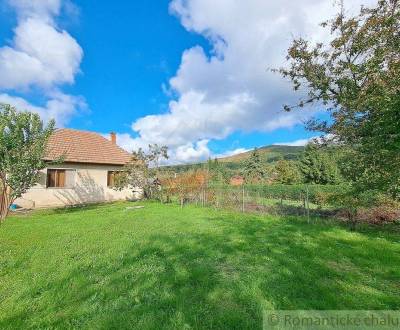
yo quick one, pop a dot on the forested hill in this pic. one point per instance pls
(269, 154)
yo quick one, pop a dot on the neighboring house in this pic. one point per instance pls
(237, 180)
(85, 175)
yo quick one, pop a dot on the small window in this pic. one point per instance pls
(55, 178)
(112, 177)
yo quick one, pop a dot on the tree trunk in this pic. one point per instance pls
(5, 203)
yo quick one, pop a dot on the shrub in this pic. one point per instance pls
(316, 193)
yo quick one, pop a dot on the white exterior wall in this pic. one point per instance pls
(89, 185)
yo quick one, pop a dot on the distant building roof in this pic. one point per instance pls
(237, 180)
(84, 147)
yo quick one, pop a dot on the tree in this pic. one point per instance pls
(318, 166)
(357, 77)
(23, 140)
(218, 173)
(287, 172)
(155, 154)
(254, 169)
(143, 170)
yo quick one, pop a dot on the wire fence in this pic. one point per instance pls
(300, 200)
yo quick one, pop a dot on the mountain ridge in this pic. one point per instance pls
(269, 154)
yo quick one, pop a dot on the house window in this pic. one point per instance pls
(58, 178)
(112, 177)
(55, 178)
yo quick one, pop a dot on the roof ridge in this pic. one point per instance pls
(77, 130)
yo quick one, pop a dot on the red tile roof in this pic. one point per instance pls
(84, 147)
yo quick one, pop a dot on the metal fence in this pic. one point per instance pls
(301, 200)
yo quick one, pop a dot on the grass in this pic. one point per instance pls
(162, 267)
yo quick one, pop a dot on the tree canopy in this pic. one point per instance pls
(357, 77)
(254, 168)
(23, 140)
(143, 170)
(319, 166)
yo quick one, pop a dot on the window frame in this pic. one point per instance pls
(62, 170)
(57, 173)
(111, 178)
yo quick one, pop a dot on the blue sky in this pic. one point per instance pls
(191, 74)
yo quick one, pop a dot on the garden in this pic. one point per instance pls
(163, 266)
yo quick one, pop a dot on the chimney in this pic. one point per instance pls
(113, 138)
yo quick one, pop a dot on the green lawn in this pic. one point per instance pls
(163, 267)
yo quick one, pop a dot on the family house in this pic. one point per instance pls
(85, 173)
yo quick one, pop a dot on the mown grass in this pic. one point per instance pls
(165, 268)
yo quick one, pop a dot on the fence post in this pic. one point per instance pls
(242, 197)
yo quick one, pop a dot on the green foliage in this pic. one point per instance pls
(218, 173)
(142, 172)
(318, 166)
(254, 169)
(297, 191)
(23, 140)
(287, 172)
(357, 76)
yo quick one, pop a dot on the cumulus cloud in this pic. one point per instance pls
(190, 152)
(297, 143)
(43, 9)
(40, 55)
(302, 142)
(186, 153)
(231, 88)
(59, 106)
(230, 153)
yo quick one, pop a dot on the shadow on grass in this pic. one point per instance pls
(289, 210)
(76, 208)
(222, 279)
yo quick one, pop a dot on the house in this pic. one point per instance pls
(86, 164)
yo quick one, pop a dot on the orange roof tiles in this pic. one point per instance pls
(84, 147)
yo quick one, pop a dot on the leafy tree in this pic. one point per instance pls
(254, 169)
(287, 172)
(357, 76)
(143, 170)
(154, 156)
(217, 172)
(23, 139)
(318, 167)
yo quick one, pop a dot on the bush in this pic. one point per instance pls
(367, 207)
(379, 214)
(317, 194)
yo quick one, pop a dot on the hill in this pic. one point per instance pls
(269, 154)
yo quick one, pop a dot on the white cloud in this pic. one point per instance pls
(187, 153)
(191, 153)
(59, 106)
(40, 55)
(232, 89)
(230, 153)
(302, 142)
(297, 143)
(125, 141)
(43, 9)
